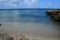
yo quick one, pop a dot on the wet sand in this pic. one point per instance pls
(38, 29)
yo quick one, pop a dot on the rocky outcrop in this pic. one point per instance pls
(55, 14)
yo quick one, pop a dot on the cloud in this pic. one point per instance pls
(49, 4)
(23, 3)
(34, 1)
(30, 2)
(20, 3)
(1, 0)
(11, 2)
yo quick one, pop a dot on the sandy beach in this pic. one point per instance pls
(31, 31)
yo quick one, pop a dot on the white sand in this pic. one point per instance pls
(40, 31)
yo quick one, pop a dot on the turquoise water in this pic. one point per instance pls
(23, 15)
(35, 21)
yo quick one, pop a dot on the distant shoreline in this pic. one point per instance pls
(32, 9)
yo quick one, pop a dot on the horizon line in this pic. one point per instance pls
(31, 9)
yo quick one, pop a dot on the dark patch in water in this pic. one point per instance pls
(0, 25)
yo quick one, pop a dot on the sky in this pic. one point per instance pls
(9, 4)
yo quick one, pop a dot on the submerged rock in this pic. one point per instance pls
(11, 38)
(57, 17)
(5, 36)
(0, 24)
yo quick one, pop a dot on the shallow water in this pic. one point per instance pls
(24, 21)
